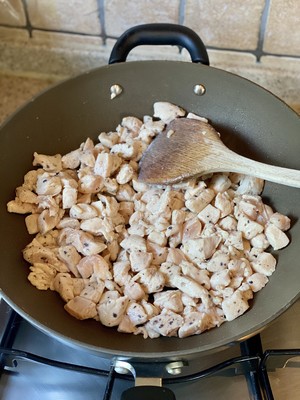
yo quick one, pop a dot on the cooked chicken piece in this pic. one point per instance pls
(121, 272)
(35, 252)
(158, 238)
(126, 326)
(257, 281)
(199, 275)
(67, 222)
(136, 313)
(209, 215)
(83, 211)
(265, 263)
(16, 206)
(25, 195)
(70, 256)
(191, 288)
(48, 163)
(134, 243)
(133, 124)
(30, 179)
(218, 262)
(265, 215)
(99, 226)
(250, 210)
(260, 241)
(220, 279)
(41, 275)
(140, 260)
(166, 323)
(133, 290)
(71, 160)
(107, 164)
(201, 248)
(195, 116)
(126, 151)
(46, 222)
(64, 285)
(175, 256)
(276, 237)
(91, 183)
(151, 279)
(228, 223)
(84, 242)
(69, 197)
(248, 227)
(195, 323)
(112, 311)
(224, 204)
(108, 139)
(125, 174)
(81, 308)
(47, 184)
(240, 267)
(31, 222)
(167, 111)
(168, 270)
(169, 299)
(250, 185)
(93, 291)
(196, 204)
(234, 306)
(126, 210)
(94, 266)
(235, 238)
(159, 253)
(220, 183)
(282, 222)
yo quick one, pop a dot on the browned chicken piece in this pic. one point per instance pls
(112, 311)
(42, 275)
(81, 308)
(48, 163)
(64, 285)
(93, 291)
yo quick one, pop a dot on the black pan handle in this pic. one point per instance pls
(148, 393)
(159, 34)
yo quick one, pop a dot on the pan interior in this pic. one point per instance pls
(252, 122)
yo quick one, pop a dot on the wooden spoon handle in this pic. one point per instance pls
(243, 165)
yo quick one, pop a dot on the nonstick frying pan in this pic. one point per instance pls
(253, 122)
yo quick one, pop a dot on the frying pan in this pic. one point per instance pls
(252, 121)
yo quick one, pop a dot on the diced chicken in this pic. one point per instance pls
(133, 290)
(140, 260)
(48, 163)
(42, 275)
(112, 311)
(257, 281)
(166, 323)
(220, 279)
(209, 215)
(224, 204)
(276, 237)
(136, 313)
(220, 183)
(170, 299)
(234, 306)
(91, 183)
(195, 323)
(83, 211)
(248, 227)
(125, 174)
(199, 275)
(18, 207)
(134, 243)
(250, 185)
(265, 263)
(191, 288)
(63, 284)
(106, 164)
(69, 197)
(282, 222)
(31, 222)
(201, 248)
(93, 291)
(197, 204)
(70, 256)
(25, 195)
(48, 185)
(121, 272)
(260, 241)
(167, 111)
(151, 279)
(126, 326)
(81, 308)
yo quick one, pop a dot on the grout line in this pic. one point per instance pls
(262, 31)
(28, 24)
(182, 4)
(101, 16)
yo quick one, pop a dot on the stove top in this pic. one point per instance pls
(34, 366)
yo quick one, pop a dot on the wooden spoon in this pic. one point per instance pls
(189, 147)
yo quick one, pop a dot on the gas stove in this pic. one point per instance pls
(36, 366)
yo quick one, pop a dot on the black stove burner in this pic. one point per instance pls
(252, 363)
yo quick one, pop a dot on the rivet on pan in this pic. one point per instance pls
(174, 368)
(199, 89)
(115, 90)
